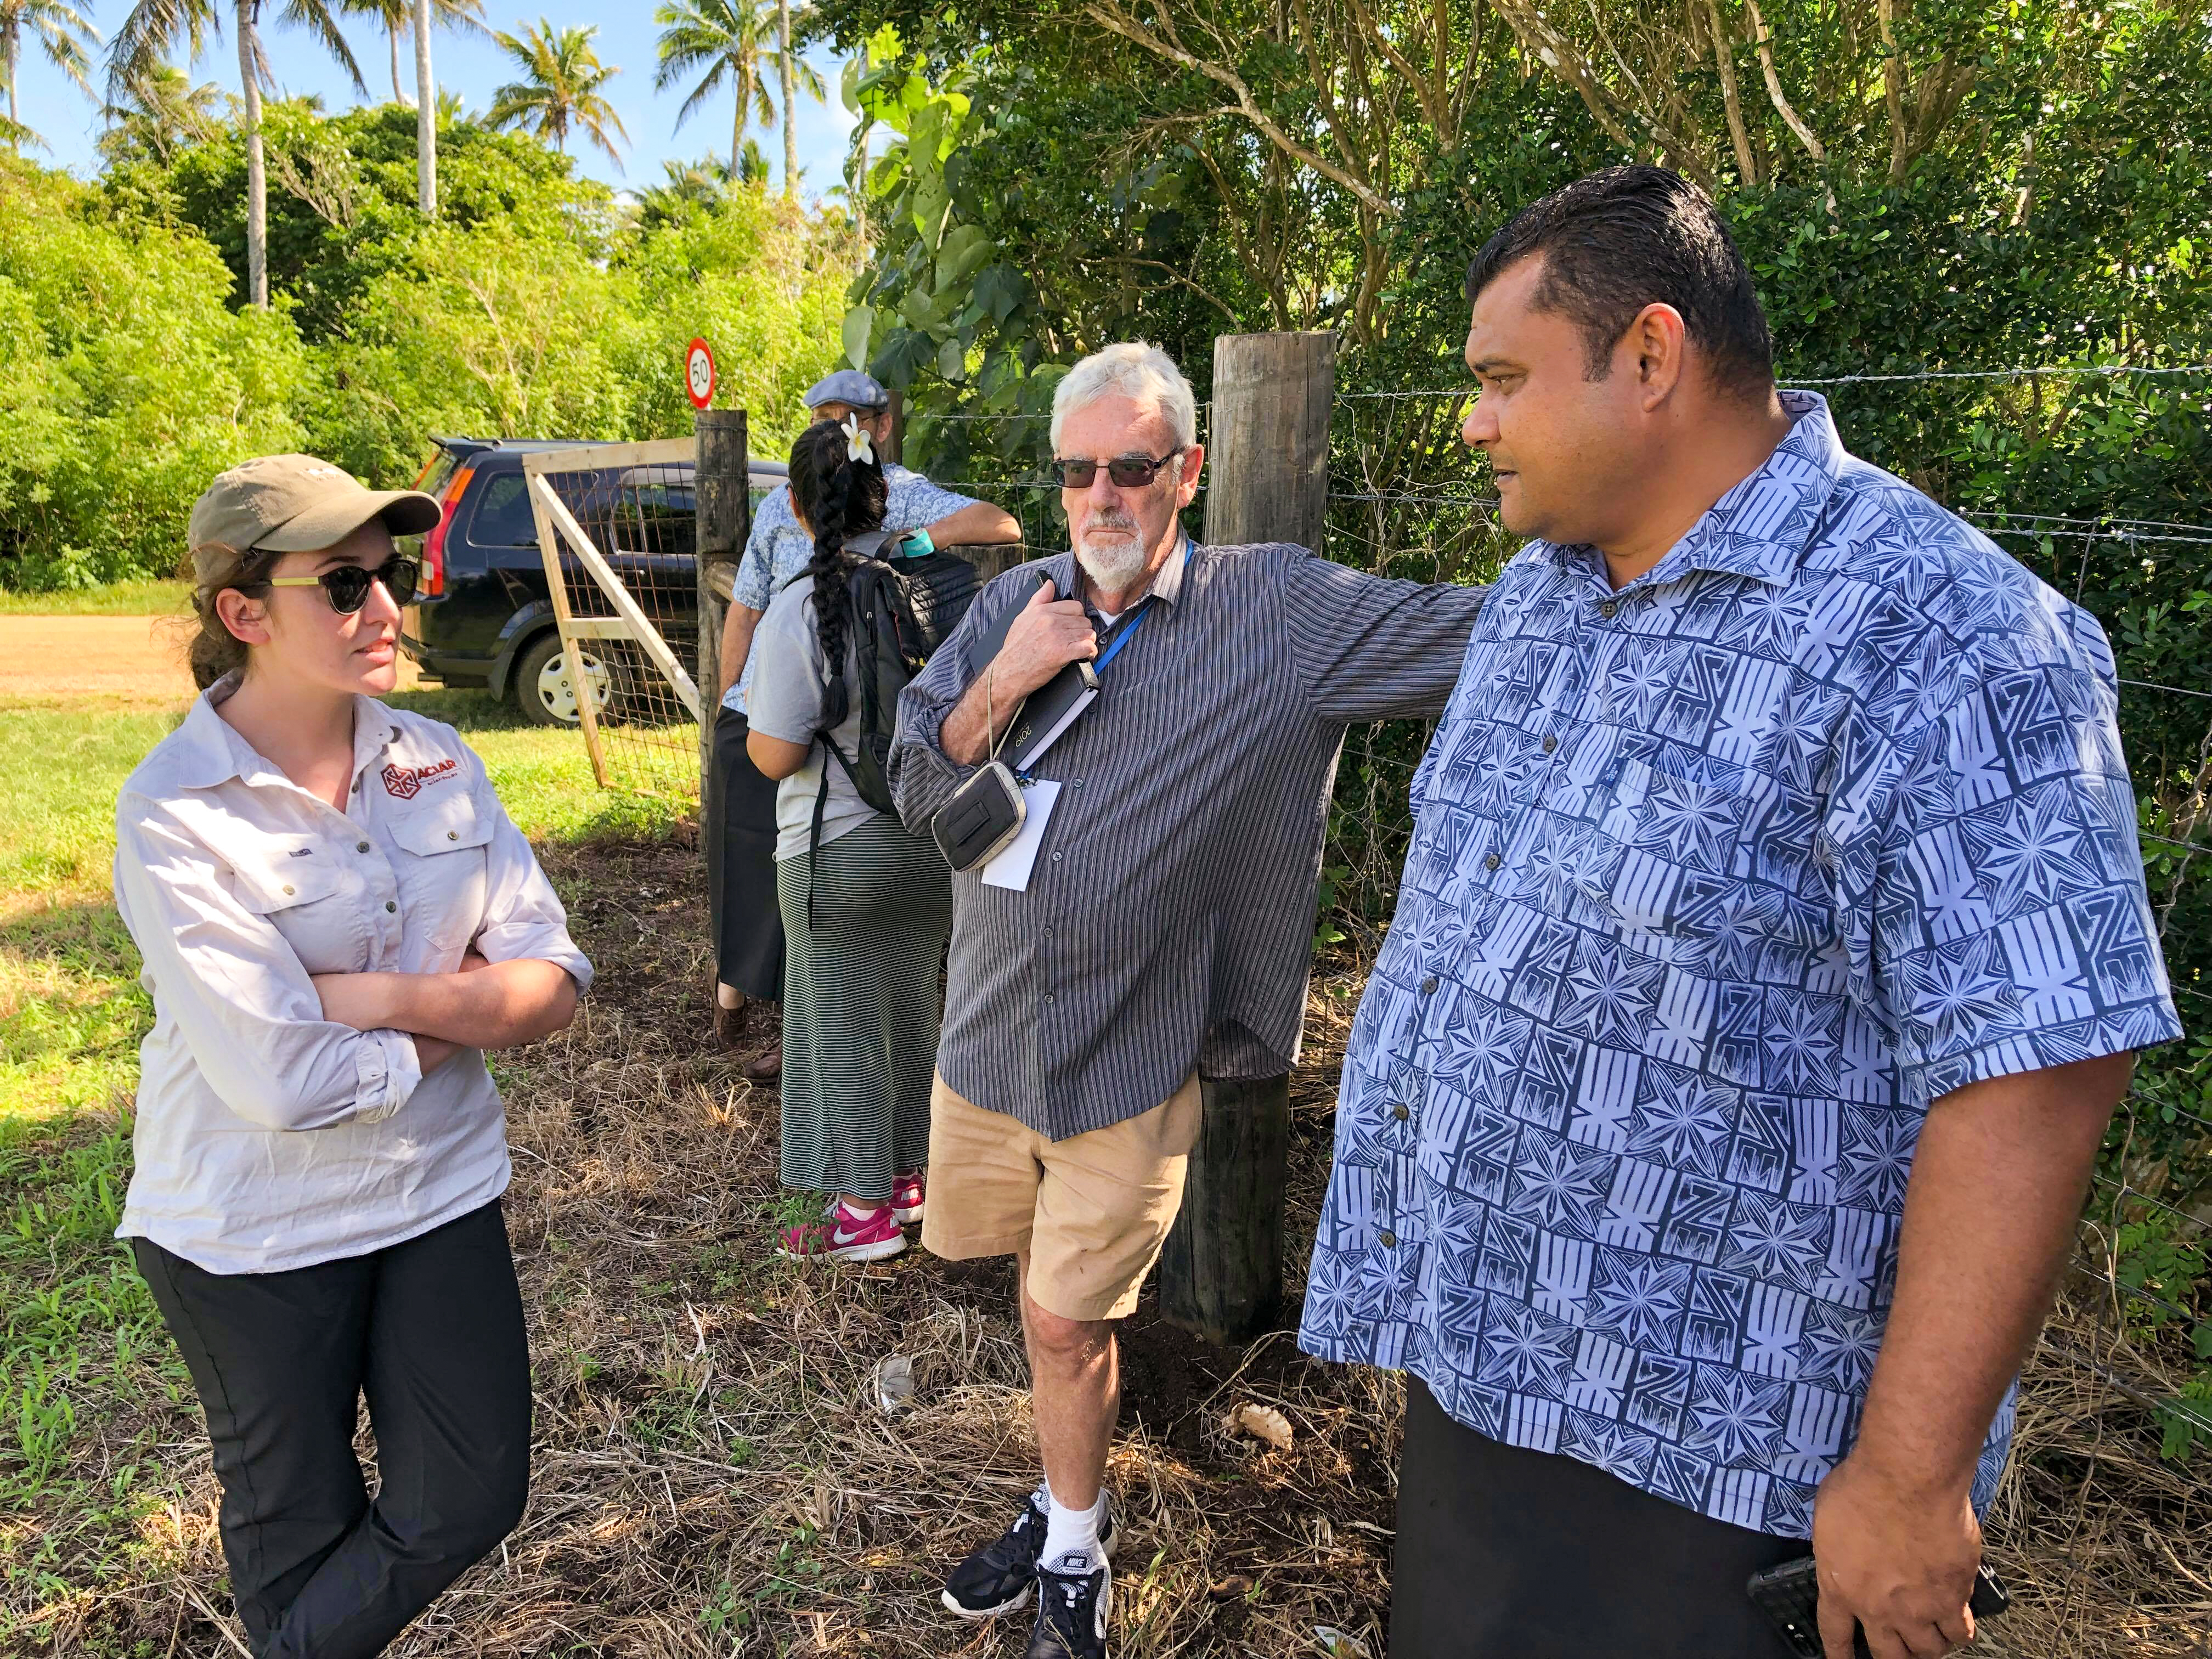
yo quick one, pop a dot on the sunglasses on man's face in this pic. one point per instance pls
(348, 585)
(1129, 472)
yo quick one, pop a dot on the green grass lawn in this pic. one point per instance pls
(139, 599)
(78, 1322)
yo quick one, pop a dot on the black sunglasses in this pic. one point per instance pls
(1129, 472)
(348, 585)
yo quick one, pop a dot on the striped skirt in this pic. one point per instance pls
(861, 1007)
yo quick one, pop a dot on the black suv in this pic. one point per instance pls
(485, 617)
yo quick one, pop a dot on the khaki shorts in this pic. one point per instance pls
(1092, 1211)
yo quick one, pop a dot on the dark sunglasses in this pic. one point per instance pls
(1129, 472)
(348, 585)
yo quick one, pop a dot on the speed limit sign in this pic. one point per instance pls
(699, 373)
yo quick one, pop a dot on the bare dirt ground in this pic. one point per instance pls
(69, 659)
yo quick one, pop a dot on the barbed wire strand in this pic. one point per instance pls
(2034, 371)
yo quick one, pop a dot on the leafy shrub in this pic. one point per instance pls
(126, 381)
(537, 305)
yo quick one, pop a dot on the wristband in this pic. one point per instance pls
(914, 543)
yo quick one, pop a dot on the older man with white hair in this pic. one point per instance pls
(1162, 930)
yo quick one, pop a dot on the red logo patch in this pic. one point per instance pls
(406, 782)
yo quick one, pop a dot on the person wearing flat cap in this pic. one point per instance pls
(741, 829)
(336, 918)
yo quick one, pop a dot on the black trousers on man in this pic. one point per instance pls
(741, 895)
(1507, 1553)
(431, 1331)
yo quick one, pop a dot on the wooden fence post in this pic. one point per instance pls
(725, 519)
(1221, 1274)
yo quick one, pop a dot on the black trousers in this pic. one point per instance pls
(1507, 1554)
(431, 1331)
(741, 897)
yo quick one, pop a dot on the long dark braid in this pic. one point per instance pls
(841, 498)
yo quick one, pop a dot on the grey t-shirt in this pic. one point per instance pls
(787, 699)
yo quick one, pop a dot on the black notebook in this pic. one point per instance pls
(1047, 711)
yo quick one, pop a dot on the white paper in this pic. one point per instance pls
(1010, 869)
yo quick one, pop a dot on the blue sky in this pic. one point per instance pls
(69, 122)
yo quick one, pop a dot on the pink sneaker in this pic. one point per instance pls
(907, 1191)
(843, 1236)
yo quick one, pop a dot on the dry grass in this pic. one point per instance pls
(713, 1476)
(2108, 1547)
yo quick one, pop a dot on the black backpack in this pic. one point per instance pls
(899, 612)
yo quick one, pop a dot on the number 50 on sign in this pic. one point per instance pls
(699, 373)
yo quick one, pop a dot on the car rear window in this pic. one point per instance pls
(503, 518)
(433, 477)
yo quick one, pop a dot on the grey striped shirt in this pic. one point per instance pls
(1169, 919)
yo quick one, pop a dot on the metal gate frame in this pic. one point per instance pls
(555, 524)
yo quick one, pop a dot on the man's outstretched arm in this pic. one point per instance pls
(1372, 647)
(1997, 1186)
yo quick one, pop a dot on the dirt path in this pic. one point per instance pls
(67, 659)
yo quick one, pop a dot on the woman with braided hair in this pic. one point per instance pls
(866, 906)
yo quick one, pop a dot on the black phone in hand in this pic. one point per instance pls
(1790, 1595)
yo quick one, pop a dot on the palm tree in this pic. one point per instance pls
(61, 31)
(692, 187)
(397, 17)
(790, 102)
(730, 39)
(419, 17)
(160, 112)
(752, 165)
(150, 35)
(563, 76)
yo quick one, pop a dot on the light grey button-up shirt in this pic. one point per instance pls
(268, 1137)
(1169, 919)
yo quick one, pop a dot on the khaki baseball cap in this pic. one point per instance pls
(295, 504)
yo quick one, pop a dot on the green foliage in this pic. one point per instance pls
(2033, 196)
(126, 382)
(537, 304)
(342, 212)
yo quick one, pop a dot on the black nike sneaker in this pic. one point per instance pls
(1072, 1609)
(999, 1577)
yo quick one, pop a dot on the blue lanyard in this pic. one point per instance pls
(1134, 623)
(1122, 638)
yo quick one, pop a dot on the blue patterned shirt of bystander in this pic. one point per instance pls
(1717, 882)
(777, 548)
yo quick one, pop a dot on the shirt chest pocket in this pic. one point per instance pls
(300, 892)
(442, 866)
(1665, 851)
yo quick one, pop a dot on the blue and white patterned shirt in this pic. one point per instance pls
(777, 549)
(1716, 882)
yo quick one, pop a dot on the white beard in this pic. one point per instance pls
(1113, 563)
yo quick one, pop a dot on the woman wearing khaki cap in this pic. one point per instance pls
(336, 918)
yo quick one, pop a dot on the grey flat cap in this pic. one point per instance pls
(849, 386)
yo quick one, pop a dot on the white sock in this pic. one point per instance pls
(1071, 1537)
(858, 1211)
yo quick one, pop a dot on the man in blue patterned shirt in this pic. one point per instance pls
(748, 925)
(1770, 956)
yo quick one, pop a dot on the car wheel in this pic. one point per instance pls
(545, 688)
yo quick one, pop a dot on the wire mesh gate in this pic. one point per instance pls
(618, 530)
